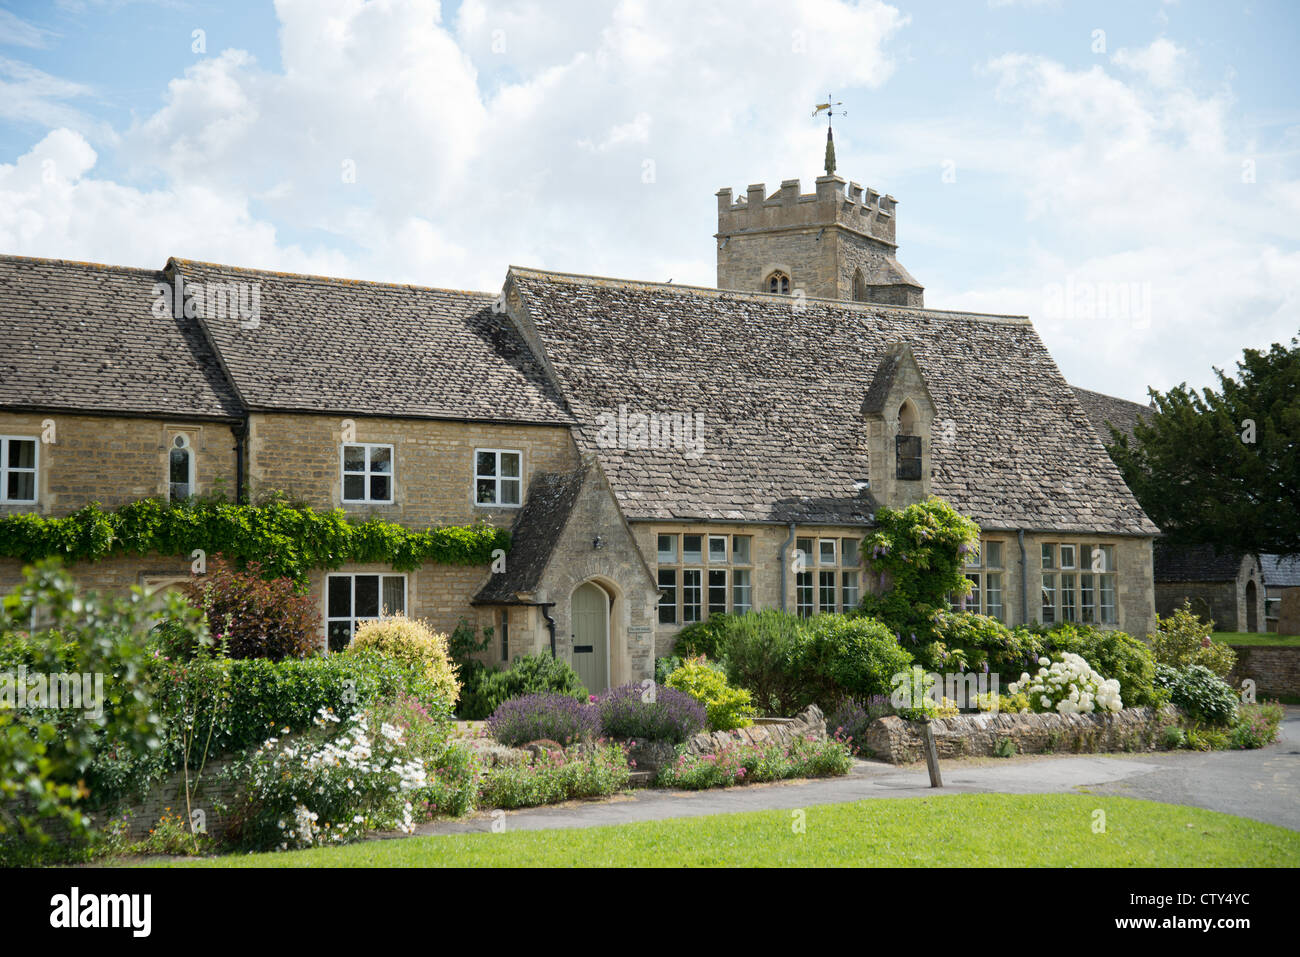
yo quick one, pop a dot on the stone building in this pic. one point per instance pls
(660, 452)
(1226, 586)
(1281, 573)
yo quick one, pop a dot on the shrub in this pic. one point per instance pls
(1256, 725)
(702, 637)
(970, 641)
(726, 707)
(1115, 654)
(1068, 686)
(556, 776)
(837, 656)
(747, 763)
(530, 674)
(252, 617)
(1182, 639)
(328, 787)
(451, 769)
(758, 651)
(548, 716)
(47, 754)
(414, 644)
(1003, 703)
(1199, 692)
(653, 714)
(666, 666)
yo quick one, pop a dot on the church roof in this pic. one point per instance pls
(1107, 409)
(780, 383)
(83, 337)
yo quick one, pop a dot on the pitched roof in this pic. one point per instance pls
(1281, 571)
(534, 535)
(84, 337)
(1107, 409)
(1194, 563)
(780, 388)
(369, 348)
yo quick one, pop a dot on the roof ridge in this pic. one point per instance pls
(784, 297)
(84, 263)
(181, 260)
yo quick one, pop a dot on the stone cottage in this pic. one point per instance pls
(1224, 585)
(660, 452)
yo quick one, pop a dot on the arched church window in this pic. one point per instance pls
(180, 469)
(779, 283)
(907, 444)
(859, 287)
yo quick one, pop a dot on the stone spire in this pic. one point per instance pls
(830, 153)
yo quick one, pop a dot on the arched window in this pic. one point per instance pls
(778, 282)
(859, 287)
(180, 469)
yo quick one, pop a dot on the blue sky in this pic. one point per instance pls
(1040, 166)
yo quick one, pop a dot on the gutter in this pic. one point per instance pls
(546, 607)
(1024, 579)
(240, 432)
(781, 558)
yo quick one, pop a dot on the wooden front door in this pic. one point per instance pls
(590, 617)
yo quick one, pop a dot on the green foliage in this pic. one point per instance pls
(966, 641)
(751, 764)
(486, 688)
(725, 706)
(251, 615)
(555, 776)
(701, 637)
(1199, 692)
(1256, 725)
(1116, 655)
(46, 753)
(465, 643)
(758, 650)
(1198, 475)
(666, 666)
(1182, 639)
(839, 656)
(413, 644)
(288, 540)
(923, 548)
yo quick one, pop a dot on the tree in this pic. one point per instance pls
(1223, 467)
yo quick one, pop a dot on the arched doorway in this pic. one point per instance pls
(1252, 616)
(589, 615)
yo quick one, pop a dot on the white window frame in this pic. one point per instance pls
(191, 478)
(344, 473)
(834, 543)
(737, 589)
(726, 549)
(354, 619)
(497, 479)
(34, 471)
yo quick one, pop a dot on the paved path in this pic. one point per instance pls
(1263, 784)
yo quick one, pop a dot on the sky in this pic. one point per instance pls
(1127, 174)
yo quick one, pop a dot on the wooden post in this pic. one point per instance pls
(931, 753)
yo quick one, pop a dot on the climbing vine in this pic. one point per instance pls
(287, 539)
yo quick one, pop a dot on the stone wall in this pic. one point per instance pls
(811, 723)
(980, 735)
(115, 460)
(1275, 671)
(168, 797)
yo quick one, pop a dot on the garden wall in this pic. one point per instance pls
(979, 735)
(1275, 670)
(652, 755)
(168, 797)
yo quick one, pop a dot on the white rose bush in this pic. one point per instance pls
(328, 787)
(1068, 686)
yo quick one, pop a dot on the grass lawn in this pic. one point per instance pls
(962, 830)
(1252, 638)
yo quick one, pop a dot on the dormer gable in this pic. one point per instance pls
(899, 413)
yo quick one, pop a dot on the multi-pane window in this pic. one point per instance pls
(702, 575)
(350, 599)
(829, 580)
(908, 451)
(779, 283)
(984, 569)
(1078, 583)
(368, 473)
(498, 477)
(18, 460)
(180, 469)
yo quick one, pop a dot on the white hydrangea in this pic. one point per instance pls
(1069, 686)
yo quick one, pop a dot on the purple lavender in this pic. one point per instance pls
(668, 715)
(548, 716)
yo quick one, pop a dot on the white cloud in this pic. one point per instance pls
(15, 31)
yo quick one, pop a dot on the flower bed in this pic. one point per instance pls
(739, 763)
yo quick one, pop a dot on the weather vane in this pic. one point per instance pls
(830, 109)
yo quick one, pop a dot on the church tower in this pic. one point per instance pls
(830, 244)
